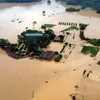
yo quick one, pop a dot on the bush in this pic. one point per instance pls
(18, 53)
(51, 33)
(70, 45)
(13, 47)
(43, 27)
(31, 54)
(71, 9)
(83, 26)
(58, 58)
(82, 36)
(56, 52)
(4, 42)
(45, 44)
(22, 54)
(40, 56)
(66, 43)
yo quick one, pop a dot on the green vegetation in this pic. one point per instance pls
(95, 42)
(89, 49)
(82, 36)
(70, 28)
(58, 58)
(13, 47)
(71, 9)
(61, 38)
(28, 46)
(4, 43)
(47, 26)
(64, 47)
(82, 26)
(94, 4)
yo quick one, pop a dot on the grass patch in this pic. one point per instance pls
(48, 25)
(70, 28)
(95, 42)
(91, 50)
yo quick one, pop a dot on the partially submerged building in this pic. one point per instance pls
(56, 39)
(48, 55)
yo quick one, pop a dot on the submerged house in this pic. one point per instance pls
(56, 39)
(48, 55)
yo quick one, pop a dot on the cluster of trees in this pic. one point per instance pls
(19, 1)
(29, 46)
(82, 26)
(72, 9)
(95, 42)
(95, 4)
(33, 46)
(64, 47)
(61, 38)
(4, 43)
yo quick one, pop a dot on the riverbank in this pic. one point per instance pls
(27, 79)
(89, 12)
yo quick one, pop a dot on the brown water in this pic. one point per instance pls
(29, 12)
(20, 78)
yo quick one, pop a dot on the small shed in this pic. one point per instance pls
(56, 39)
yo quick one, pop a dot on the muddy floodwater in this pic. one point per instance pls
(26, 79)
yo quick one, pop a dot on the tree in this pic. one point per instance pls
(13, 47)
(4, 43)
(50, 33)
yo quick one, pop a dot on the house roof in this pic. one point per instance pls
(48, 55)
(57, 38)
(33, 35)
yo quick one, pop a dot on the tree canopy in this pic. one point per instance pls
(95, 4)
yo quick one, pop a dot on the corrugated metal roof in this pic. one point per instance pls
(57, 38)
(33, 35)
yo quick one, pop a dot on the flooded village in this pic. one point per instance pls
(57, 55)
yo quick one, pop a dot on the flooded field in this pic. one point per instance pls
(26, 79)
